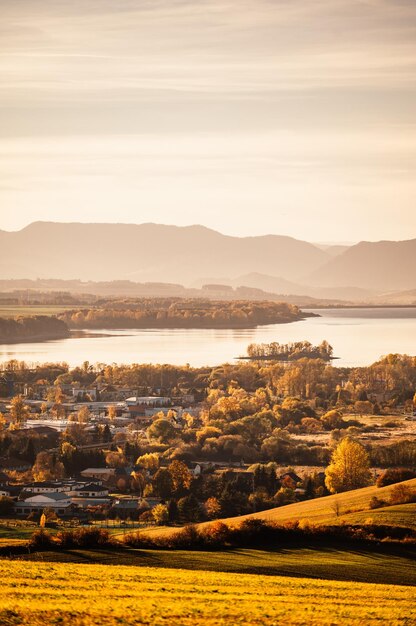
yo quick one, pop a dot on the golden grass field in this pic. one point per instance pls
(39, 594)
(352, 506)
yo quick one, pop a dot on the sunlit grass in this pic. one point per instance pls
(98, 595)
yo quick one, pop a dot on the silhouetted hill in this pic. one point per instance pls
(148, 252)
(383, 265)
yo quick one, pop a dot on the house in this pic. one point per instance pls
(86, 502)
(10, 491)
(126, 507)
(196, 470)
(60, 503)
(89, 490)
(137, 405)
(44, 487)
(104, 474)
(290, 479)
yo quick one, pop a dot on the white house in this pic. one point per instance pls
(58, 502)
(45, 487)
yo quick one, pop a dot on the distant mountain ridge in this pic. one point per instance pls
(187, 254)
(148, 252)
(382, 265)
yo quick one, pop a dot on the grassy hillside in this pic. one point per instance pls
(96, 595)
(334, 510)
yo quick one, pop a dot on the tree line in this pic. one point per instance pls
(36, 328)
(182, 313)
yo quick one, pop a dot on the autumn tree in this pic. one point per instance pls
(116, 459)
(162, 431)
(19, 411)
(149, 461)
(160, 514)
(84, 415)
(138, 482)
(162, 483)
(47, 467)
(112, 412)
(181, 476)
(212, 508)
(349, 467)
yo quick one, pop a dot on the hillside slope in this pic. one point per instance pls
(330, 510)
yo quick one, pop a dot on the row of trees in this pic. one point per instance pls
(38, 327)
(390, 380)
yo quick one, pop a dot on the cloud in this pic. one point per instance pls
(210, 108)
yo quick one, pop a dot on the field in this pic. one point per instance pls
(379, 565)
(97, 595)
(14, 310)
(11, 529)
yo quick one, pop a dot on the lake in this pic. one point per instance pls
(359, 336)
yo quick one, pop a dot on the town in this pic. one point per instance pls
(84, 446)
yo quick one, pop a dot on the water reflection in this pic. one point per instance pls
(359, 337)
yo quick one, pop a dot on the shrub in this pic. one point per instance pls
(395, 475)
(377, 503)
(216, 534)
(402, 494)
(187, 538)
(40, 540)
(84, 538)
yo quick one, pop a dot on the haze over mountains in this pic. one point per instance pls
(194, 255)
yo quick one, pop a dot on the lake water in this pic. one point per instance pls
(358, 336)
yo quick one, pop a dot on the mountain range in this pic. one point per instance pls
(193, 255)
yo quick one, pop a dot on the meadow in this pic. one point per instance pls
(29, 310)
(96, 595)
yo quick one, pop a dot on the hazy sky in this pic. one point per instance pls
(293, 117)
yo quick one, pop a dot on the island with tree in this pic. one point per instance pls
(288, 352)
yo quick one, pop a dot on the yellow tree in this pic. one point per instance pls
(112, 412)
(180, 474)
(84, 415)
(19, 411)
(349, 467)
(149, 461)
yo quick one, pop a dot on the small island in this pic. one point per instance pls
(288, 352)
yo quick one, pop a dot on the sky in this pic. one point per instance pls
(293, 117)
